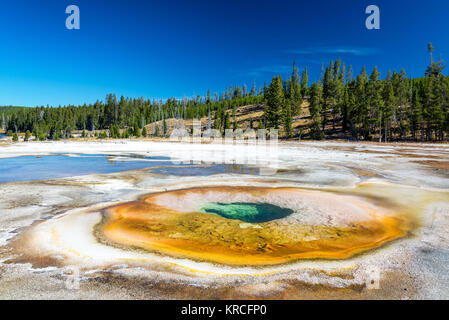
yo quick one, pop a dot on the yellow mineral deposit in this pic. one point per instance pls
(322, 225)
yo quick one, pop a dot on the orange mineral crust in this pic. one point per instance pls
(323, 225)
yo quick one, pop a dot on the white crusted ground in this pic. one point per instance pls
(421, 258)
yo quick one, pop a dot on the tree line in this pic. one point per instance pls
(122, 117)
(363, 107)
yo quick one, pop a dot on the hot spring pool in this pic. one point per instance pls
(250, 225)
(247, 212)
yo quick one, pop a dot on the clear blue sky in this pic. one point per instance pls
(161, 49)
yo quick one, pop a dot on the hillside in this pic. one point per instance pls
(254, 113)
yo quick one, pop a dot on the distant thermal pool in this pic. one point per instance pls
(56, 166)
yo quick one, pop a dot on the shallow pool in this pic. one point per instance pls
(62, 166)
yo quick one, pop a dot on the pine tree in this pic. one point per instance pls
(234, 114)
(433, 109)
(361, 113)
(274, 103)
(388, 109)
(294, 91)
(416, 114)
(345, 110)
(288, 120)
(265, 90)
(227, 122)
(332, 92)
(315, 112)
(375, 103)
(218, 119)
(164, 128)
(136, 130)
(430, 49)
(235, 125)
(304, 82)
(401, 92)
(351, 108)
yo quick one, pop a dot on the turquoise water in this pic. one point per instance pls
(61, 166)
(247, 212)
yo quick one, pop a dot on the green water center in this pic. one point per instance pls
(247, 212)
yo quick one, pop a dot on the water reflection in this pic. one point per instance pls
(55, 166)
(63, 165)
(205, 170)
